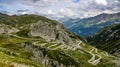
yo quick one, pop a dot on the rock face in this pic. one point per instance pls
(40, 55)
(6, 29)
(2, 30)
(52, 32)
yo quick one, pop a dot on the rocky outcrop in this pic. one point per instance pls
(52, 31)
(40, 55)
(8, 30)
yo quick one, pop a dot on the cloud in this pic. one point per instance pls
(67, 12)
(101, 2)
(50, 12)
(22, 12)
(56, 9)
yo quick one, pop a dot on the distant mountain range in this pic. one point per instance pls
(89, 26)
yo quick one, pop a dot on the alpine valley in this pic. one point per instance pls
(36, 41)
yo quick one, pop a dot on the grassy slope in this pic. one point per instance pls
(11, 52)
(107, 42)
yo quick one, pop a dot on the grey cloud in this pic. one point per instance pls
(35, 1)
(22, 10)
(5, 12)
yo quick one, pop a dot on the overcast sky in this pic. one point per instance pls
(56, 9)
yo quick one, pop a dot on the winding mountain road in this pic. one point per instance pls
(61, 46)
(17, 36)
(94, 61)
(93, 56)
(52, 45)
(105, 53)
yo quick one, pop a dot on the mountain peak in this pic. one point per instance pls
(89, 26)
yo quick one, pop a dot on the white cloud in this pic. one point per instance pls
(50, 12)
(66, 12)
(101, 2)
(24, 13)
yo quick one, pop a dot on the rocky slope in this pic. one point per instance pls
(36, 41)
(89, 26)
(53, 32)
(108, 39)
(38, 26)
